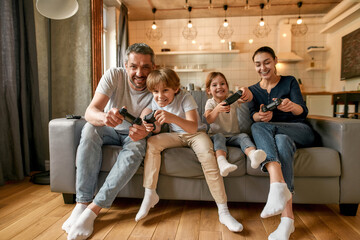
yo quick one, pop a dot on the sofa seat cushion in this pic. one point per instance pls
(178, 162)
(310, 162)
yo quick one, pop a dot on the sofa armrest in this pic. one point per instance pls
(343, 135)
(64, 137)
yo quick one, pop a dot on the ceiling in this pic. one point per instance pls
(140, 10)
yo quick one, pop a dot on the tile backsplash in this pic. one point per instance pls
(237, 67)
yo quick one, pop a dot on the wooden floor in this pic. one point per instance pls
(29, 211)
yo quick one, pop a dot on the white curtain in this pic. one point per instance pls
(122, 35)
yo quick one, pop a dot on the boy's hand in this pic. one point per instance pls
(222, 107)
(148, 126)
(162, 117)
(137, 132)
(265, 116)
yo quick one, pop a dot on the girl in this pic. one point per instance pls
(178, 109)
(278, 132)
(224, 126)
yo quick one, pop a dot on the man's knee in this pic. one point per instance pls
(285, 142)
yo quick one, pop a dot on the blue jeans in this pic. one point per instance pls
(89, 160)
(279, 141)
(241, 140)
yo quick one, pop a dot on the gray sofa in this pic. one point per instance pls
(324, 174)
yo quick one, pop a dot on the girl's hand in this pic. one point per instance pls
(164, 117)
(222, 107)
(286, 105)
(246, 96)
(265, 116)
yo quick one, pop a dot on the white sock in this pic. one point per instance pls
(224, 166)
(150, 200)
(84, 226)
(278, 196)
(228, 220)
(285, 228)
(256, 157)
(77, 211)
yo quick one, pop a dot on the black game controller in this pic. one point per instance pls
(150, 118)
(272, 105)
(230, 100)
(130, 118)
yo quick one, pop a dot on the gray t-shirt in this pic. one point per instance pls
(114, 84)
(182, 103)
(226, 123)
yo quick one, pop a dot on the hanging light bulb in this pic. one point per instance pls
(300, 28)
(263, 29)
(189, 32)
(189, 25)
(153, 33)
(225, 30)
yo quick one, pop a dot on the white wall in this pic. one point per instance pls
(333, 39)
(238, 68)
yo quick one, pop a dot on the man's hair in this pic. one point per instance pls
(213, 75)
(164, 76)
(140, 48)
(265, 49)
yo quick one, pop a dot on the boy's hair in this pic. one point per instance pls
(213, 75)
(140, 48)
(164, 76)
(265, 49)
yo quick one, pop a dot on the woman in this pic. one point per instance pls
(278, 133)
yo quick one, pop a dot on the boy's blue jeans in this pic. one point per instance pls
(89, 160)
(279, 141)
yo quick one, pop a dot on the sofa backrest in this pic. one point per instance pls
(243, 112)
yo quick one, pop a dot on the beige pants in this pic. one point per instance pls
(203, 148)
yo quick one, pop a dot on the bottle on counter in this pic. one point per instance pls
(312, 63)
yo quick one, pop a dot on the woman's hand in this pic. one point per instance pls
(265, 116)
(288, 106)
(246, 96)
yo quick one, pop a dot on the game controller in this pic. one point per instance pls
(130, 118)
(272, 105)
(150, 118)
(233, 98)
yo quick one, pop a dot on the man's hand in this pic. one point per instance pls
(113, 118)
(265, 116)
(137, 132)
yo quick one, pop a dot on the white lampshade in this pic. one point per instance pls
(57, 9)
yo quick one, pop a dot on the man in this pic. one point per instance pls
(117, 88)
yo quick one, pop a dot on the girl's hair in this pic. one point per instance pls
(265, 49)
(164, 76)
(213, 75)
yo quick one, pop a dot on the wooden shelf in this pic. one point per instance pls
(188, 70)
(315, 69)
(198, 52)
(317, 50)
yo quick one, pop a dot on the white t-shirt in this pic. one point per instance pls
(182, 103)
(226, 123)
(114, 84)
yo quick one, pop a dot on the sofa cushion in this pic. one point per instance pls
(177, 162)
(310, 162)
